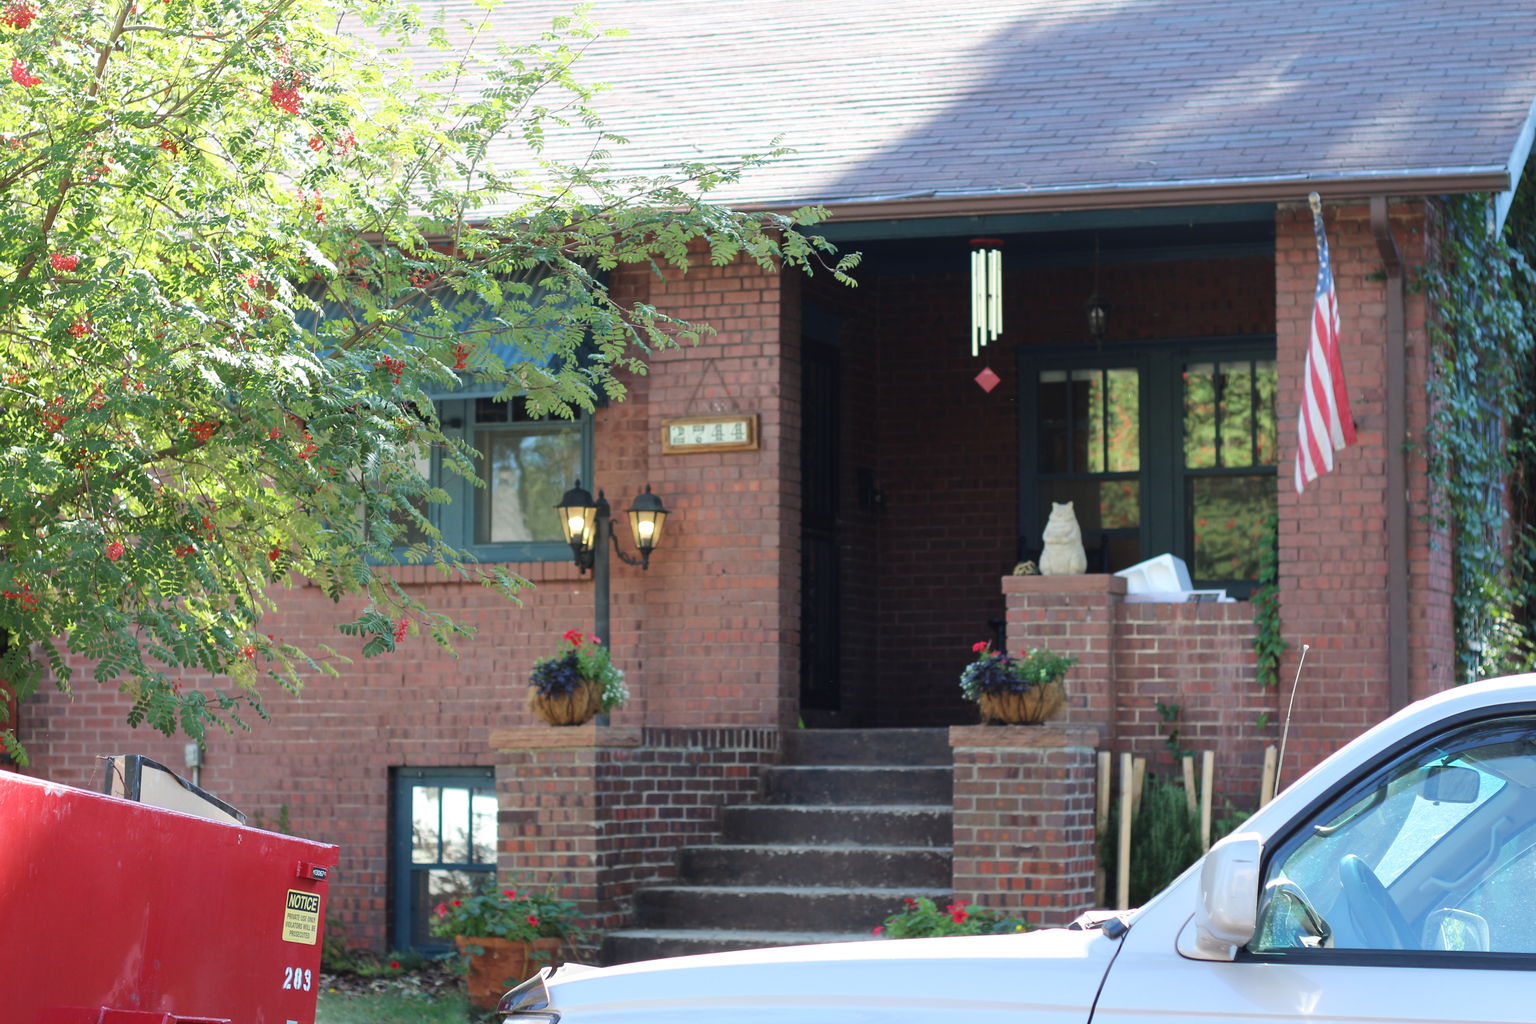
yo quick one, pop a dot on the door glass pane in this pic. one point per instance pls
(1053, 402)
(482, 809)
(1227, 519)
(526, 473)
(434, 887)
(1234, 388)
(455, 825)
(426, 807)
(1123, 416)
(1264, 411)
(1200, 416)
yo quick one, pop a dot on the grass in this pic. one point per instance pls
(394, 1008)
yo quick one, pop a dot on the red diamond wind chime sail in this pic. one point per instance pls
(986, 301)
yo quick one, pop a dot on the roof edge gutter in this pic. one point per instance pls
(1517, 158)
(1134, 196)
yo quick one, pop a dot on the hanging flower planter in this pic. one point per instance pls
(576, 685)
(1023, 689)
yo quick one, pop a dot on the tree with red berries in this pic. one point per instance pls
(240, 243)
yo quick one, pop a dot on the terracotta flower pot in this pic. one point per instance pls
(1029, 706)
(500, 964)
(580, 705)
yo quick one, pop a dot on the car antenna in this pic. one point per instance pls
(1285, 732)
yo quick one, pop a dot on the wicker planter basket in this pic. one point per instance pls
(1030, 706)
(580, 705)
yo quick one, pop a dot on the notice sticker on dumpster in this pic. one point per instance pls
(301, 921)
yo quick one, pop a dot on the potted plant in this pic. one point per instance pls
(505, 935)
(578, 683)
(1022, 689)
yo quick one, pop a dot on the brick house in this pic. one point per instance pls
(1154, 156)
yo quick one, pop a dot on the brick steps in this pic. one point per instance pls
(854, 823)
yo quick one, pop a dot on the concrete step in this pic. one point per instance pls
(771, 908)
(914, 866)
(859, 784)
(868, 746)
(830, 825)
(632, 944)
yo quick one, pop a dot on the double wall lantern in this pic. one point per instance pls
(585, 520)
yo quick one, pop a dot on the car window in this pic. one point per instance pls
(1436, 850)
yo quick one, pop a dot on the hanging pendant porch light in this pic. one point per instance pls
(986, 292)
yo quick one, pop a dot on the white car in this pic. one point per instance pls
(1394, 882)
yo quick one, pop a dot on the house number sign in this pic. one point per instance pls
(732, 432)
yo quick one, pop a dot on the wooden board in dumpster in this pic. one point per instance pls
(157, 916)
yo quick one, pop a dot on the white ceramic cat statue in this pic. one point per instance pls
(1063, 554)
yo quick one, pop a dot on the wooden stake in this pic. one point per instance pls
(1267, 783)
(1138, 783)
(1207, 776)
(1191, 795)
(1101, 824)
(1123, 860)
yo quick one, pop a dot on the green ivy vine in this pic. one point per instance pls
(1268, 643)
(1480, 442)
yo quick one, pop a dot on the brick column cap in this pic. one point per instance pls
(1086, 583)
(1030, 736)
(544, 737)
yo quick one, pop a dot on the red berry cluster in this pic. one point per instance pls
(203, 431)
(284, 93)
(114, 551)
(18, 14)
(24, 595)
(63, 262)
(21, 76)
(396, 367)
(185, 550)
(53, 421)
(80, 328)
(309, 447)
(461, 357)
(170, 146)
(402, 626)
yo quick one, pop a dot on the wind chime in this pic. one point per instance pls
(986, 292)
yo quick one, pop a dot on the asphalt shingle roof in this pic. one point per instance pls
(915, 98)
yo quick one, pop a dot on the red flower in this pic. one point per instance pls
(510, 894)
(21, 76)
(977, 648)
(18, 15)
(533, 920)
(114, 551)
(959, 916)
(458, 903)
(394, 965)
(879, 929)
(573, 636)
(63, 262)
(441, 909)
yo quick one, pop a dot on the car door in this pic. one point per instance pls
(1407, 895)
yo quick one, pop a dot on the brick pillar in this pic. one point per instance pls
(1073, 615)
(1023, 834)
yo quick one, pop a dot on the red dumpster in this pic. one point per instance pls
(116, 912)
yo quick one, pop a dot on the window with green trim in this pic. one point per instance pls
(526, 463)
(1167, 448)
(442, 846)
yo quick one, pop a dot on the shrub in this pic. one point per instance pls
(922, 918)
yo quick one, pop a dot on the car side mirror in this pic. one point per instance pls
(1228, 906)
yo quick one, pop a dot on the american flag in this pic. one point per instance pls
(1325, 424)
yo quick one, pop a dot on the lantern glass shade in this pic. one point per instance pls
(1098, 317)
(647, 516)
(578, 518)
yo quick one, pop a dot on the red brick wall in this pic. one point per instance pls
(1333, 553)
